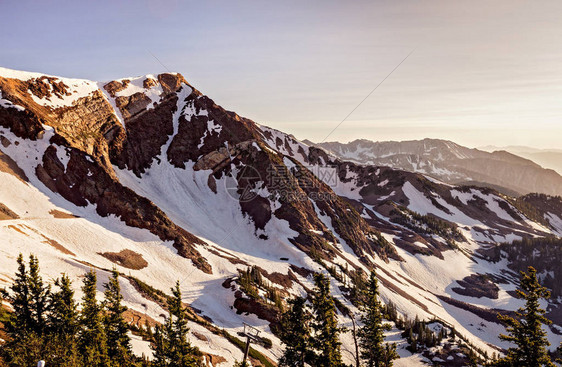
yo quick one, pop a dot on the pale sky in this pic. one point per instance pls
(483, 72)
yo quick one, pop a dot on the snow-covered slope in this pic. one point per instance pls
(151, 165)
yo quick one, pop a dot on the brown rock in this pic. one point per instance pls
(147, 132)
(262, 311)
(8, 165)
(171, 83)
(126, 258)
(114, 87)
(149, 83)
(6, 213)
(4, 141)
(45, 87)
(132, 105)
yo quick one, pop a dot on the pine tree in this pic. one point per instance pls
(92, 341)
(371, 335)
(526, 331)
(116, 328)
(26, 351)
(389, 355)
(20, 300)
(147, 330)
(23, 344)
(472, 359)
(26, 327)
(160, 347)
(39, 296)
(63, 325)
(171, 346)
(64, 314)
(413, 344)
(325, 325)
(182, 353)
(295, 334)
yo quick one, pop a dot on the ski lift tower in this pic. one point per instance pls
(252, 335)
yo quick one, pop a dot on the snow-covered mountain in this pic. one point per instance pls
(150, 176)
(449, 162)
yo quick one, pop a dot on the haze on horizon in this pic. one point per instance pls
(483, 73)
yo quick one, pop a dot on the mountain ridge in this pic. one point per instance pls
(152, 165)
(548, 158)
(453, 163)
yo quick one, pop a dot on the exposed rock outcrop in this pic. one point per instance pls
(83, 182)
(126, 258)
(6, 213)
(94, 140)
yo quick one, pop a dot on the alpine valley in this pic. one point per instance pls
(151, 177)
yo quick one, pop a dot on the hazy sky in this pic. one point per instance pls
(483, 72)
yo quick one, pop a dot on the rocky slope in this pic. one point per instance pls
(149, 175)
(454, 164)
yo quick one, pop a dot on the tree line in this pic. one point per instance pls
(545, 253)
(525, 331)
(310, 331)
(47, 324)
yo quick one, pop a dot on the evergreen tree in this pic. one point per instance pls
(182, 353)
(371, 334)
(325, 325)
(526, 331)
(146, 331)
(26, 351)
(63, 325)
(39, 296)
(116, 328)
(61, 351)
(413, 343)
(160, 347)
(389, 355)
(472, 359)
(92, 341)
(26, 327)
(20, 300)
(171, 346)
(64, 314)
(23, 345)
(295, 334)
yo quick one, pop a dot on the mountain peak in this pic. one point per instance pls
(152, 177)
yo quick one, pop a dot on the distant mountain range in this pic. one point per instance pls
(548, 158)
(510, 173)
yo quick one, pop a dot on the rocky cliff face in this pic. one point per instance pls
(152, 167)
(454, 164)
(91, 139)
